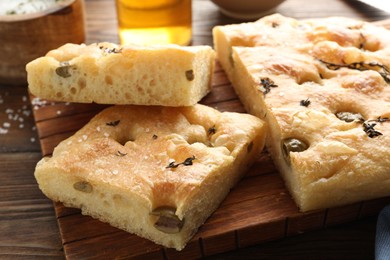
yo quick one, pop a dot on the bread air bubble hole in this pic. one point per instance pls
(293, 145)
(152, 82)
(82, 83)
(118, 199)
(73, 90)
(197, 134)
(125, 140)
(108, 80)
(164, 218)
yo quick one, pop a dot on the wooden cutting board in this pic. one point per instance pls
(258, 209)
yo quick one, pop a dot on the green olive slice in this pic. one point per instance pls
(167, 221)
(83, 186)
(350, 117)
(293, 145)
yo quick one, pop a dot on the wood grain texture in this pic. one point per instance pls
(257, 210)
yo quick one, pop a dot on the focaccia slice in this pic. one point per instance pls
(158, 172)
(105, 73)
(323, 87)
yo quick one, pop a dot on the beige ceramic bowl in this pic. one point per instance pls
(247, 9)
(25, 37)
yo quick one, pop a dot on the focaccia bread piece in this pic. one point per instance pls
(323, 87)
(158, 172)
(105, 73)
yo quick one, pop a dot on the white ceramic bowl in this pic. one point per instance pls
(247, 9)
(25, 37)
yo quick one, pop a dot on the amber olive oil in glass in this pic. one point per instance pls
(154, 21)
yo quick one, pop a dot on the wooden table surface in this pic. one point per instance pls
(28, 227)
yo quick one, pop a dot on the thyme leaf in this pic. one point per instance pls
(212, 130)
(266, 84)
(383, 70)
(186, 162)
(369, 125)
(305, 103)
(368, 128)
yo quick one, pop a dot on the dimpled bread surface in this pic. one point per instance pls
(158, 172)
(105, 73)
(322, 85)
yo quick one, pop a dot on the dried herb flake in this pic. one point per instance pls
(362, 66)
(305, 103)
(369, 125)
(187, 162)
(266, 84)
(370, 131)
(212, 130)
(113, 123)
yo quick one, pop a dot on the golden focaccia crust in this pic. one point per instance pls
(167, 75)
(323, 86)
(158, 172)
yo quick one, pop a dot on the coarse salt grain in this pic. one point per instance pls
(3, 131)
(115, 172)
(6, 124)
(85, 137)
(32, 139)
(58, 112)
(106, 134)
(21, 125)
(27, 112)
(98, 128)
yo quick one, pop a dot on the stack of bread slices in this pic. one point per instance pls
(155, 163)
